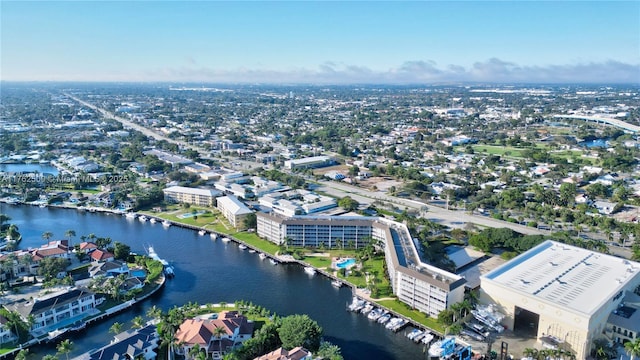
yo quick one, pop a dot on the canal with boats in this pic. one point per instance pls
(213, 271)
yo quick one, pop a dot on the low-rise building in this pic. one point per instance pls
(623, 324)
(47, 312)
(131, 344)
(234, 210)
(194, 196)
(297, 353)
(309, 162)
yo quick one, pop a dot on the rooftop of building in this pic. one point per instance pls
(566, 276)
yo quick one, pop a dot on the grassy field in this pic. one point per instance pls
(416, 315)
(253, 239)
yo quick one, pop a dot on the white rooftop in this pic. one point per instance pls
(566, 276)
(192, 191)
(234, 205)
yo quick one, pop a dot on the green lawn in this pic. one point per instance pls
(253, 239)
(319, 262)
(416, 315)
(498, 150)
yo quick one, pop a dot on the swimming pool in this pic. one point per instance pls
(189, 215)
(139, 273)
(346, 263)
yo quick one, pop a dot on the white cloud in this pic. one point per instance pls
(410, 72)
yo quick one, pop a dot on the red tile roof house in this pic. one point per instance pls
(88, 246)
(236, 327)
(101, 255)
(59, 248)
(297, 353)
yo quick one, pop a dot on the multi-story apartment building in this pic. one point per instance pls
(199, 197)
(234, 210)
(420, 285)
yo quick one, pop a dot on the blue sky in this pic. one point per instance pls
(321, 42)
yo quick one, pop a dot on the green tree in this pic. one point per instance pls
(121, 251)
(116, 328)
(50, 267)
(49, 357)
(70, 234)
(348, 203)
(22, 354)
(65, 347)
(47, 235)
(300, 330)
(328, 351)
(633, 348)
(250, 221)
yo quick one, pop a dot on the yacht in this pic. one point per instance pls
(367, 308)
(166, 223)
(131, 215)
(375, 314)
(393, 322)
(202, 233)
(142, 218)
(356, 304)
(309, 270)
(262, 256)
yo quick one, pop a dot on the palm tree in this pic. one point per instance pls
(223, 304)
(12, 232)
(633, 348)
(49, 357)
(47, 235)
(137, 322)
(70, 234)
(218, 332)
(194, 351)
(154, 312)
(65, 347)
(3, 219)
(530, 353)
(116, 328)
(22, 354)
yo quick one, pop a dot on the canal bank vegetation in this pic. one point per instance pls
(270, 330)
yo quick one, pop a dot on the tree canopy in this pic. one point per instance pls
(300, 330)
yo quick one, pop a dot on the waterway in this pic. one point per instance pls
(209, 271)
(19, 168)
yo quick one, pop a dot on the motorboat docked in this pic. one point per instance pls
(202, 233)
(131, 215)
(336, 284)
(356, 304)
(142, 218)
(375, 314)
(393, 322)
(262, 256)
(414, 333)
(273, 262)
(309, 270)
(384, 318)
(251, 251)
(226, 239)
(214, 236)
(367, 308)
(166, 223)
(427, 338)
(242, 247)
(153, 220)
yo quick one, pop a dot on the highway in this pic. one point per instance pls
(131, 125)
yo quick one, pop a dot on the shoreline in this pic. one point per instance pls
(285, 259)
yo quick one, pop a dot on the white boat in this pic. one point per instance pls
(414, 333)
(375, 314)
(251, 251)
(367, 308)
(166, 223)
(143, 218)
(393, 322)
(309, 270)
(214, 236)
(384, 318)
(262, 256)
(336, 284)
(242, 247)
(202, 233)
(273, 262)
(356, 304)
(225, 239)
(42, 206)
(419, 337)
(131, 215)
(153, 220)
(428, 337)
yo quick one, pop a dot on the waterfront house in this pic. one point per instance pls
(297, 353)
(234, 210)
(54, 309)
(6, 335)
(131, 344)
(236, 329)
(108, 268)
(194, 196)
(101, 255)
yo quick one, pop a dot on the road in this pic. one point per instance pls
(130, 124)
(452, 218)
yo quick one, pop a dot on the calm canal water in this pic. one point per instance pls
(210, 271)
(18, 168)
